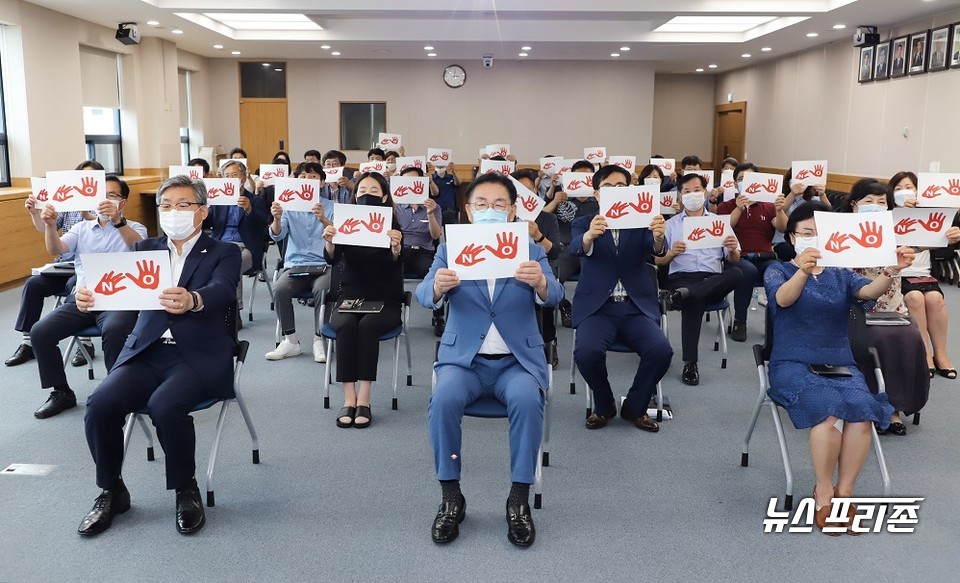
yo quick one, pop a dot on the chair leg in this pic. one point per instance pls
(70, 346)
(327, 375)
(406, 341)
(787, 468)
(745, 454)
(213, 452)
(127, 432)
(723, 340)
(916, 418)
(538, 482)
(659, 401)
(255, 441)
(396, 370)
(545, 445)
(151, 456)
(881, 461)
(253, 295)
(573, 365)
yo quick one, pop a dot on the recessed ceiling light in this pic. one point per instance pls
(431, 54)
(524, 48)
(624, 48)
(700, 70)
(264, 20)
(266, 64)
(766, 49)
(428, 48)
(839, 26)
(746, 55)
(325, 47)
(234, 52)
(522, 54)
(812, 35)
(278, 69)
(218, 47)
(335, 53)
(153, 22)
(614, 54)
(713, 23)
(712, 65)
(176, 31)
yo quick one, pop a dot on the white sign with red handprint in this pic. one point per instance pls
(707, 175)
(40, 193)
(922, 227)
(629, 207)
(297, 194)
(362, 225)
(409, 189)
(378, 166)
(856, 239)
(707, 232)
(596, 154)
(76, 190)
(550, 165)
(529, 205)
(193, 172)
(578, 183)
(810, 172)
(938, 189)
(493, 150)
(127, 281)
(761, 187)
(667, 165)
(223, 191)
(504, 168)
(628, 163)
(404, 162)
(729, 185)
(667, 200)
(564, 165)
(332, 175)
(439, 156)
(389, 141)
(270, 172)
(487, 251)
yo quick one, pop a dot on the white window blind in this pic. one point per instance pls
(184, 98)
(99, 78)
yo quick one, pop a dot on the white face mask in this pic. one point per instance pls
(441, 171)
(649, 181)
(693, 201)
(902, 196)
(178, 225)
(804, 243)
(391, 167)
(871, 208)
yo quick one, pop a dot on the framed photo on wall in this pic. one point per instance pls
(898, 57)
(866, 65)
(939, 48)
(881, 60)
(955, 45)
(917, 52)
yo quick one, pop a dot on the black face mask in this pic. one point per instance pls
(369, 200)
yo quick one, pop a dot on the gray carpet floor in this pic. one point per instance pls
(329, 504)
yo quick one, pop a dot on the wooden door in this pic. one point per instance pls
(729, 133)
(263, 129)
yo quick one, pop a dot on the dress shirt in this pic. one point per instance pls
(92, 237)
(693, 260)
(493, 342)
(176, 264)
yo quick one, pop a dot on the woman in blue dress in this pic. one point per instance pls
(810, 308)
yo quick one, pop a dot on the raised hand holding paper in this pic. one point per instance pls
(193, 172)
(362, 225)
(810, 172)
(596, 154)
(550, 165)
(270, 172)
(296, 194)
(529, 205)
(409, 189)
(404, 162)
(578, 184)
(760, 187)
(668, 165)
(935, 189)
(922, 227)
(378, 166)
(332, 175)
(222, 191)
(76, 190)
(564, 165)
(439, 156)
(487, 251)
(707, 175)
(706, 232)
(505, 168)
(667, 200)
(628, 163)
(127, 281)
(629, 207)
(728, 184)
(493, 150)
(855, 239)
(39, 187)
(389, 141)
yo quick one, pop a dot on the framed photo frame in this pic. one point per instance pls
(939, 48)
(898, 57)
(881, 61)
(865, 67)
(917, 52)
(954, 45)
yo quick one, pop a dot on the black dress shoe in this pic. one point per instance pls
(520, 529)
(107, 505)
(566, 314)
(897, 429)
(677, 296)
(190, 517)
(22, 354)
(446, 526)
(79, 359)
(59, 401)
(438, 326)
(691, 374)
(739, 331)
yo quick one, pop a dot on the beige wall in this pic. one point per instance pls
(810, 106)
(683, 115)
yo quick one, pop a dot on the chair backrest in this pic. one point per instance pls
(863, 353)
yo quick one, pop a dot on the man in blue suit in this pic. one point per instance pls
(174, 359)
(492, 346)
(616, 300)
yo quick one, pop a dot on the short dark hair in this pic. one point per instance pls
(419, 171)
(90, 165)
(384, 186)
(899, 176)
(741, 168)
(311, 153)
(201, 163)
(389, 153)
(605, 171)
(648, 170)
(237, 151)
(376, 152)
(528, 173)
(335, 154)
(731, 160)
(864, 188)
(582, 164)
(282, 154)
(495, 178)
(498, 159)
(314, 167)
(124, 187)
(691, 161)
(687, 177)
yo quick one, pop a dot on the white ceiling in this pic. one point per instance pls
(464, 30)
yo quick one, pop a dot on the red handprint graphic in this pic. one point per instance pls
(401, 192)
(548, 166)
(644, 203)
(595, 155)
(63, 193)
(418, 164)
(667, 166)
(931, 191)
(771, 186)
(499, 152)
(528, 203)
(228, 189)
(441, 156)
(697, 234)
(818, 171)
(376, 167)
(390, 140)
(577, 184)
(835, 244)
(588, 179)
(306, 192)
(626, 164)
(716, 229)
(934, 222)
(418, 187)
(953, 187)
(505, 169)
(88, 187)
(109, 284)
(905, 226)
(470, 256)
(285, 196)
(666, 201)
(268, 175)
(871, 236)
(617, 210)
(375, 224)
(349, 226)
(506, 246)
(803, 174)
(194, 174)
(730, 184)
(43, 195)
(754, 188)
(148, 276)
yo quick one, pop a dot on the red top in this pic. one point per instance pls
(755, 228)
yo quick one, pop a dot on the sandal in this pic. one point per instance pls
(821, 514)
(949, 373)
(346, 412)
(851, 515)
(363, 411)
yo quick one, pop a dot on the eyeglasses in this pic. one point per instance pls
(806, 233)
(482, 205)
(114, 196)
(233, 175)
(181, 206)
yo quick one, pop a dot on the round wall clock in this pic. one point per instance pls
(454, 76)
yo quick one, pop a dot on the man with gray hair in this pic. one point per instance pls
(174, 359)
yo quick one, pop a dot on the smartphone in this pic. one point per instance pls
(827, 370)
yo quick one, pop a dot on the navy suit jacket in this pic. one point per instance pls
(252, 226)
(600, 270)
(212, 269)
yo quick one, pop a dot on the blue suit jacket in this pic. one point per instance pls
(252, 226)
(511, 309)
(600, 270)
(212, 269)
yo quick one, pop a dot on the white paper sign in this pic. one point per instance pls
(222, 191)
(935, 189)
(529, 205)
(127, 281)
(404, 162)
(707, 174)
(76, 190)
(497, 150)
(856, 239)
(40, 192)
(270, 172)
(550, 165)
(564, 165)
(668, 165)
(761, 187)
(333, 175)
(628, 163)
(378, 166)
(729, 185)
(193, 172)
(226, 161)
(706, 232)
(596, 154)
(409, 189)
(505, 168)
(362, 225)
(810, 172)
(487, 251)
(667, 200)
(922, 227)
(390, 141)
(629, 207)
(439, 156)
(578, 183)
(297, 194)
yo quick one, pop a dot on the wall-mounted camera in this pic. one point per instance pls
(866, 36)
(487, 61)
(128, 33)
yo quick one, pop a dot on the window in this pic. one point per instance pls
(4, 150)
(186, 115)
(100, 81)
(263, 80)
(361, 124)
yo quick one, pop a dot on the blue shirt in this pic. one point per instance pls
(231, 232)
(447, 186)
(90, 237)
(415, 225)
(341, 195)
(693, 260)
(65, 222)
(304, 233)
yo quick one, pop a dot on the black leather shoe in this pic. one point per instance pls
(190, 517)
(566, 314)
(897, 429)
(59, 401)
(677, 296)
(107, 505)
(739, 331)
(520, 529)
(446, 526)
(79, 359)
(22, 354)
(691, 375)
